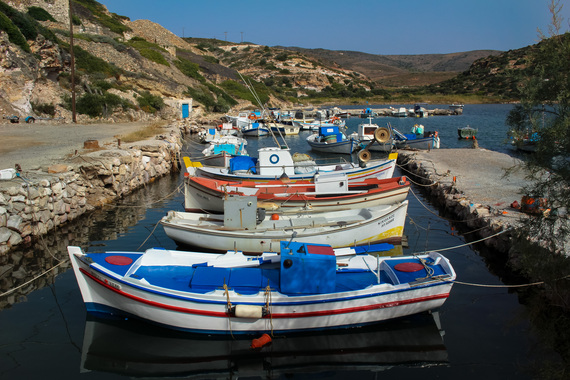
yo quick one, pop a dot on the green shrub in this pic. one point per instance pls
(40, 14)
(112, 22)
(203, 96)
(149, 50)
(91, 64)
(209, 58)
(14, 35)
(44, 108)
(150, 103)
(190, 69)
(26, 24)
(95, 105)
(237, 90)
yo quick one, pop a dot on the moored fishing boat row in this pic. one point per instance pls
(277, 243)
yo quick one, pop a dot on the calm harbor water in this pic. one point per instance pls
(480, 332)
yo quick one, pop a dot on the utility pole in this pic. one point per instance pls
(73, 117)
(241, 37)
(226, 36)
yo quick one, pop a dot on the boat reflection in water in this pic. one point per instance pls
(131, 348)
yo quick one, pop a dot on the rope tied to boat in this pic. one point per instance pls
(229, 307)
(268, 301)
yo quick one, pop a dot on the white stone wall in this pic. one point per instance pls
(31, 208)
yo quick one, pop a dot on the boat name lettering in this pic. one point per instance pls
(104, 280)
(384, 222)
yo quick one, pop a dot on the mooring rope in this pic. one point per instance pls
(229, 306)
(268, 303)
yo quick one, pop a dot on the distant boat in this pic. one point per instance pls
(367, 112)
(418, 139)
(368, 133)
(284, 129)
(400, 112)
(420, 110)
(457, 108)
(467, 132)
(332, 140)
(315, 125)
(254, 130)
(219, 152)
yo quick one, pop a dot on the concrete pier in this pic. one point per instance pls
(48, 194)
(471, 184)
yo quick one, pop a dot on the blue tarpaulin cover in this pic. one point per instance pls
(243, 163)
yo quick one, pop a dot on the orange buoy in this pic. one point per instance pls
(261, 341)
(274, 216)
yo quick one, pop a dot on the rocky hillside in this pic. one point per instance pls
(497, 76)
(397, 70)
(137, 70)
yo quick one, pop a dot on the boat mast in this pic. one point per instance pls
(264, 111)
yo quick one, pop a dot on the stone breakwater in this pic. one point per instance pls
(39, 201)
(478, 200)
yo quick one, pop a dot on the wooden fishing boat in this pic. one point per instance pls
(315, 125)
(374, 138)
(332, 140)
(219, 152)
(305, 288)
(418, 139)
(328, 192)
(467, 132)
(284, 129)
(248, 228)
(275, 163)
(254, 130)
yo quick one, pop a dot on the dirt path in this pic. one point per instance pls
(42, 143)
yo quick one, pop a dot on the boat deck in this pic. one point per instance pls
(200, 278)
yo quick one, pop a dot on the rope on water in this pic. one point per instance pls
(33, 279)
(502, 286)
(466, 244)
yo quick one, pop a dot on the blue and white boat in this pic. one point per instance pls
(275, 163)
(332, 140)
(307, 287)
(219, 152)
(255, 129)
(418, 139)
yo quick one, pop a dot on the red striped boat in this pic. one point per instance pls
(306, 287)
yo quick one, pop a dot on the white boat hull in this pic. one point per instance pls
(381, 224)
(339, 147)
(107, 292)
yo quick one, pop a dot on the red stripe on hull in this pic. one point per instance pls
(275, 316)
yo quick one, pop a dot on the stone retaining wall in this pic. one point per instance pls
(37, 202)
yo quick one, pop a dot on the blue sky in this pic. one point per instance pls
(373, 26)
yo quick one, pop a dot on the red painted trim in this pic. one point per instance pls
(274, 316)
